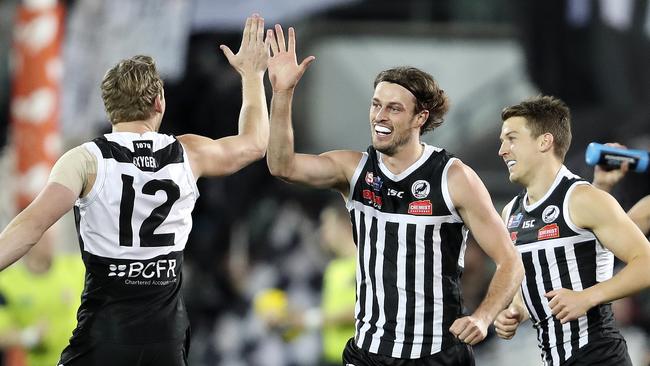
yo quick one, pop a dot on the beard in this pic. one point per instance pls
(391, 148)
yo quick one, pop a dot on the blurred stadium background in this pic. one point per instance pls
(252, 232)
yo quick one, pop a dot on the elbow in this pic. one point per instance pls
(274, 170)
(244, 157)
(260, 144)
(258, 152)
(254, 142)
(640, 261)
(280, 163)
(254, 153)
(278, 169)
(279, 172)
(514, 267)
(518, 270)
(646, 264)
(254, 146)
(255, 150)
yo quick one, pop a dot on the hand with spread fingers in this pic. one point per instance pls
(469, 329)
(567, 305)
(253, 55)
(284, 70)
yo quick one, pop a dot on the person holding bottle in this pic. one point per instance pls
(606, 178)
(567, 232)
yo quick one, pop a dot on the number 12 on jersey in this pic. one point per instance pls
(155, 218)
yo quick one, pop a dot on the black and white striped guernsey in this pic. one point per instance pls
(558, 254)
(132, 228)
(411, 245)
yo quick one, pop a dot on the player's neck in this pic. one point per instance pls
(406, 156)
(140, 127)
(541, 180)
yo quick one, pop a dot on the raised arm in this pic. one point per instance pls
(606, 180)
(333, 169)
(595, 210)
(474, 205)
(227, 155)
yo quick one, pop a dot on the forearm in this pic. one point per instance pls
(17, 238)
(281, 153)
(502, 289)
(28, 227)
(634, 277)
(253, 116)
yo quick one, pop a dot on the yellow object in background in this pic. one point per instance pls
(42, 306)
(339, 296)
(271, 304)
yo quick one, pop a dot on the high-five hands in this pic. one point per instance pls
(284, 71)
(253, 55)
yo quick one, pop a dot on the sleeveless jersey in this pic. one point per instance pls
(411, 245)
(132, 228)
(558, 254)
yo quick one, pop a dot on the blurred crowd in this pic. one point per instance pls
(262, 254)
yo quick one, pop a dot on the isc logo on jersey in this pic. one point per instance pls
(159, 269)
(528, 224)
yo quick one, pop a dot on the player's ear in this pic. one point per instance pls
(159, 103)
(422, 117)
(545, 142)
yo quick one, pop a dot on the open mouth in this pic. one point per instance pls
(382, 130)
(511, 163)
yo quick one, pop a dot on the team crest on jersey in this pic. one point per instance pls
(515, 220)
(420, 189)
(420, 208)
(550, 231)
(550, 213)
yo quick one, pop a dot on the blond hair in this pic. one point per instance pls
(130, 88)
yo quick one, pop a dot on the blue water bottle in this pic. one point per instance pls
(610, 157)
